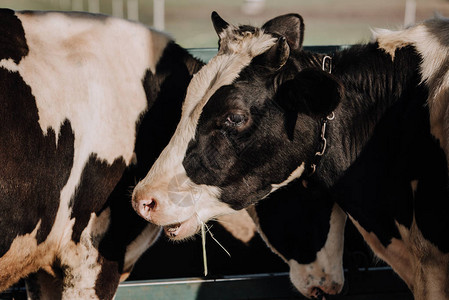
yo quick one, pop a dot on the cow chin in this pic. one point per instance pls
(190, 226)
(183, 230)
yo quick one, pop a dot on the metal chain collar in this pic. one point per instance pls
(324, 121)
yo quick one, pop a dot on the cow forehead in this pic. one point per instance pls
(237, 49)
(236, 40)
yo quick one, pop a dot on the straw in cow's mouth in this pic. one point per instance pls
(205, 229)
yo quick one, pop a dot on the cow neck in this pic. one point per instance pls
(326, 66)
(373, 82)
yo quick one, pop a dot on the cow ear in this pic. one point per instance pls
(290, 26)
(320, 92)
(275, 57)
(219, 24)
(313, 92)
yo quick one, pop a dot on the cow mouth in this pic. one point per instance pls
(172, 230)
(181, 230)
(318, 294)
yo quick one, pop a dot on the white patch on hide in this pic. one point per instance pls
(24, 256)
(431, 42)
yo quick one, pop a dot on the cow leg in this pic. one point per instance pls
(24, 257)
(107, 282)
(78, 282)
(431, 280)
(43, 286)
(72, 285)
(430, 266)
(396, 254)
(90, 281)
(79, 260)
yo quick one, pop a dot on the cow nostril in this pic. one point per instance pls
(146, 207)
(317, 293)
(150, 205)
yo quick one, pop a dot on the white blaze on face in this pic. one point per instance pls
(223, 69)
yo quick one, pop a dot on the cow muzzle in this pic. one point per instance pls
(313, 282)
(177, 204)
(168, 206)
(319, 291)
(151, 209)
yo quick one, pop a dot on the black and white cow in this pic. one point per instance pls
(314, 267)
(87, 103)
(264, 114)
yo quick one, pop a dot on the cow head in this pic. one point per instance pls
(248, 127)
(306, 229)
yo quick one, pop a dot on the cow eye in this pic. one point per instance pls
(236, 119)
